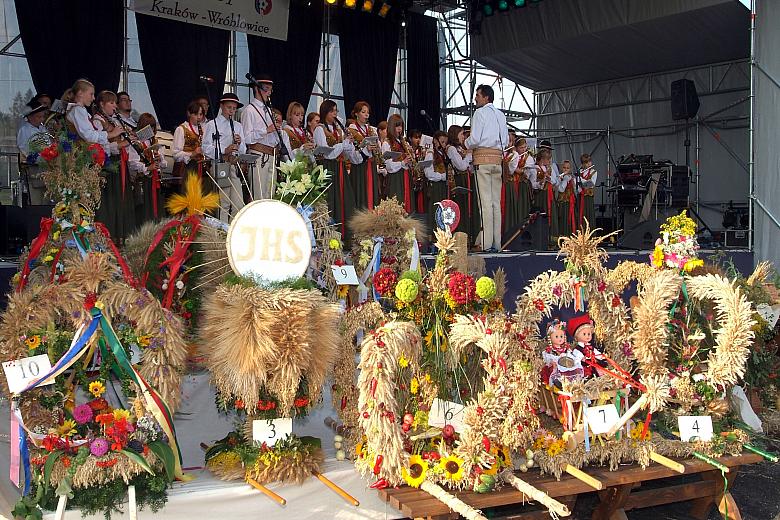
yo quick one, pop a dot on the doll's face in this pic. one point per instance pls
(557, 337)
(584, 334)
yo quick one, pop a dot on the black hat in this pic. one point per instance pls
(264, 78)
(229, 96)
(545, 144)
(34, 107)
(38, 96)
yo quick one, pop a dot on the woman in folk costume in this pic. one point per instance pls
(298, 138)
(399, 179)
(419, 185)
(150, 203)
(80, 123)
(187, 148)
(588, 177)
(119, 186)
(517, 199)
(439, 175)
(337, 163)
(567, 222)
(466, 198)
(543, 181)
(365, 183)
(381, 169)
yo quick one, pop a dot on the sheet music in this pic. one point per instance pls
(145, 133)
(323, 150)
(391, 156)
(424, 164)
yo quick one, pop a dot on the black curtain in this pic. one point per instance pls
(65, 41)
(292, 64)
(174, 55)
(368, 46)
(422, 66)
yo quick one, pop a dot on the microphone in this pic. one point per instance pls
(427, 119)
(251, 79)
(207, 79)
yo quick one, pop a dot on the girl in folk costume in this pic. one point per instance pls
(466, 199)
(381, 169)
(187, 148)
(418, 174)
(298, 139)
(150, 203)
(543, 181)
(119, 186)
(365, 183)
(588, 176)
(562, 362)
(517, 198)
(567, 222)
(340, 197)
(440, 176)
(79, 123)
(399, 183)
(312, 122)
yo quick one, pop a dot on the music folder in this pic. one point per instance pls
(391, 156)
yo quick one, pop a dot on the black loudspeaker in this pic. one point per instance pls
(535, 237)
(19, 226)
(685, 100)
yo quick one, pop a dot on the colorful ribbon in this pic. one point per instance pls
(371, 268)
(585, 403)
(35, 251)
(407, 191)
(127, 273)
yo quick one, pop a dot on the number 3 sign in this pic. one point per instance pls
(22, 372)
(270, 431)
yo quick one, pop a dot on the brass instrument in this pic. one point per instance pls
(448, 168)
(110, 124)
(418, 176)
(233, 157)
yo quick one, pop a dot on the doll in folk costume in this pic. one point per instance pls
(561, 360)
(581, 328)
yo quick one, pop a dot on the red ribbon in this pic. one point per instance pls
(420, 202)
(126, 272)
(123, 167)
(54, 262)
(177, 258)
(370, 183)
(155, 188)
(647, 424)
(549, 200)
(563, 398)
(582, 205)
(200, 170)
(572, 221)
(341, 196)
(35, 250)
(407, 191)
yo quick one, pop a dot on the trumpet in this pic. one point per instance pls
(418, 177)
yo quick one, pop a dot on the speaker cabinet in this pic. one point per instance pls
(19, 226)
(685, 100)
(535, 237)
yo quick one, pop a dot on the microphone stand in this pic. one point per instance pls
(215, 136)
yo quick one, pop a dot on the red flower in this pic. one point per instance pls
(66, 461)
(106, 463)
(339, 262)
(50, 152)
(462, 288)
(98, 404)
(301, 402)
(384, 281)
(239, 404)
(616, 301)
(539, 304)
(89, 301)
(98, 154)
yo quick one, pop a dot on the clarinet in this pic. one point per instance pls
(269, 111)
(234, 155)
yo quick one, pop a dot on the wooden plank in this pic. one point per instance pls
(669, 495)
(611, 503)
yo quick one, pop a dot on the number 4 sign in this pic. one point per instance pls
(695, 428)
(269, 431)
(22, 372)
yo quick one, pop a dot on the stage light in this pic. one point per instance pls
(384, 9)
(331, 2)
(350, 4)
(503, 5)
(368, 5)
(519, 3)
(487, 9)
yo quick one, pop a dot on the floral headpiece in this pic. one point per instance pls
(554, 325)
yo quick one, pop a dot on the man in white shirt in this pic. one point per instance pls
(223, 150)
(32, 125)
(262, 129)
(489, 136)
(124, 110)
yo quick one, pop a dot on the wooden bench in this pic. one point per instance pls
(622, 492)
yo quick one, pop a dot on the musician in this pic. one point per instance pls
(460, 159)
(296, 136)
(226, 149)
(312, 122)
(566, 199)
(341, 200)
(30, 172)
(518, 197)
(418, 174)
(188, 148)
(488, 137)
(204, 102)
(588, 177)
(118, 197)
(543, 179)
(124, 110)
(439, 175)
(43, 99)
(365, 182)
(399, 183)
(262, 130)
(148, 200)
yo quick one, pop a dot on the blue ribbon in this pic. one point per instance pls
(585, 403)
(377, 261)
(306, 212)
(25, 453)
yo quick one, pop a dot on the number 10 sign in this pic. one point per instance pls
(21, 372)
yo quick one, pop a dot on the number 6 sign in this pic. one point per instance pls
(446, 412)
(22, 372)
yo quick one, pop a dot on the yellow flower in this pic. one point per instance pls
(48, 258)
(342, 291)
(97, 388)
(33, 342)
(56, 235)
(427, 378)
(403, 362)
(145, 340)
(452, 467)
(658, 256)
(556, 447)
(503, 456)
(692, 264)
(120, 414)
(334, 244)
(414, 386)
(414, 475)
(360, 449)
(68, 428)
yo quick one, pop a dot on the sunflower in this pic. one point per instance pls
(68, 428)
(452, 467)
(415, 474)
(97, 388)
(33, 342)
(360, 449)
(120, 414)
(503, 457)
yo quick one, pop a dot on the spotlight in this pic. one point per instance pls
(384, 9)
(503, 5)
(487, 9)
(368, 5)
(331, 2)
(519, 3)
(350, 4)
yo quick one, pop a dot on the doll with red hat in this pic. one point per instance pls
(581, 328)
(561, 360)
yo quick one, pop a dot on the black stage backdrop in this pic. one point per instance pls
(174, 55)
(368, 46)
(422, 65)
(65, 41)
(291, 64)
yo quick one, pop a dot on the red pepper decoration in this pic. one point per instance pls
(379, 484)
(378, 464)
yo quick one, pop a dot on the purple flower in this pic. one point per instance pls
(98, 447)
(33, 158)
(136, 445)
(72, 136)
(66, 146)
(82, 413)
(557, 291)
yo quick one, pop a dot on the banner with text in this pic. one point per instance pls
(266, 18)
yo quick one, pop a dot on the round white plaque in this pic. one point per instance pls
(268, 239)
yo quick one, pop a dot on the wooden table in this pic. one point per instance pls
(622, 492)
